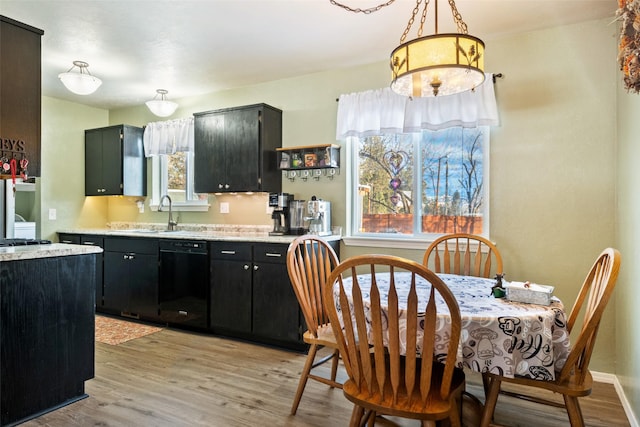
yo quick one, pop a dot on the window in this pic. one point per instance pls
(172, 174)
(416, 185)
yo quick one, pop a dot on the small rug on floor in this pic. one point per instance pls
(115, 331)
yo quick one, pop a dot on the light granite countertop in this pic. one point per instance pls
(16, 253)
(208, 232)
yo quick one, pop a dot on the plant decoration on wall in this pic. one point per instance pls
(629, 47)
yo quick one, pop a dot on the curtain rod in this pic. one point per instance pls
(494, 76)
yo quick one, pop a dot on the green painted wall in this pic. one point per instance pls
(62, 182)
(627, 295)
(553, 164)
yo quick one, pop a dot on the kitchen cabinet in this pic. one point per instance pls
(231, 285)
(276, 313)
(251, 295)
(91, 240)
(131, 277)
(98, 241)
(114, 162)
(235, 149)
(20, 103)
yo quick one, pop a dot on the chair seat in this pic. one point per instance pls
(325, 336)
(568, 387)
(435, 408)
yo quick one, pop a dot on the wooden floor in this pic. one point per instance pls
(175, 378)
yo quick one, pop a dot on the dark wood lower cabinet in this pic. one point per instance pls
(47, 334)
(276, 313)
(231, 281)
(250, 295)
(131, 277)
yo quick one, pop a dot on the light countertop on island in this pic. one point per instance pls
(16, 253)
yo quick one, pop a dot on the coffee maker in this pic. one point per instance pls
(280, 204)
(297, 217)
(319, 216)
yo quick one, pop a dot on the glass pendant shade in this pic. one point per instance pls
(81, 82)
(161, 107)
(437, 65)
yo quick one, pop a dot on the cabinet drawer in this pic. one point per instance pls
(230, 251)
(265, 252)
(91, 240)
(69, 238)
(139, 246)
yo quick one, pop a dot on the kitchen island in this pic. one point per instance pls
(47, 335)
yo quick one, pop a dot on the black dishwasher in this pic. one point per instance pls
(184, 283)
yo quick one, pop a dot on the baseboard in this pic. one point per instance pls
(612, 379)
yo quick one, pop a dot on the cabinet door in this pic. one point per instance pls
(116, 281)
(210, 158)
(103, 162)
(93, 162)
(275, 307)
(231, 295)
(242, 132)
(143, 284)
(91, 240)
(112, 161)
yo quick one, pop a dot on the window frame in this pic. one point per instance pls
(397, 240)
(159, 182)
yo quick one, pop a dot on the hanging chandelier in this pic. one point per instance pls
(161, 107)
(81, 82)
(437, 64)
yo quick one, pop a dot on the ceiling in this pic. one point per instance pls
(196, 47)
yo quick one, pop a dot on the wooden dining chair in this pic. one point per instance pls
(464, 254)
(310, 260)
(574, 379)
(400, 370)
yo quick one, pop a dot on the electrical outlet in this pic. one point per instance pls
(52, 214)
(224, 207)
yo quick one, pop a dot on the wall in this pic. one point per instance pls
(627, 297)
(62, 183)
(552, 157)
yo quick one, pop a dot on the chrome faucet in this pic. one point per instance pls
(171, 225)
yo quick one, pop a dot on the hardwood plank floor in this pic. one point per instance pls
(176, 378)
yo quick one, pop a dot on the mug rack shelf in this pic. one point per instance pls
(310, 161)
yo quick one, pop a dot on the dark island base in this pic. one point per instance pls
(47, 332)
(75, 399)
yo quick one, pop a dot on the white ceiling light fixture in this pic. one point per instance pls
(82, 82)
(438, 64)
(161, 107)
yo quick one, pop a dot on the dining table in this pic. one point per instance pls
(498, 335)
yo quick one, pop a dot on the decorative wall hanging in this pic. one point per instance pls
(629, 47)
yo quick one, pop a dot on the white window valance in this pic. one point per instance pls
(380, 111)
(168, 137)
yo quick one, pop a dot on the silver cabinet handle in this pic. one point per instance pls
(66, 241)
(271, 254)
(246, 267)
(228, 252)
(89, 243)
(255, 268)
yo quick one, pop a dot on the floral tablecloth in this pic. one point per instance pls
(498, 335)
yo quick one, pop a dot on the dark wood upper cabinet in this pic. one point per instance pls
(20, 93)
(114, 162)
(235, 149)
